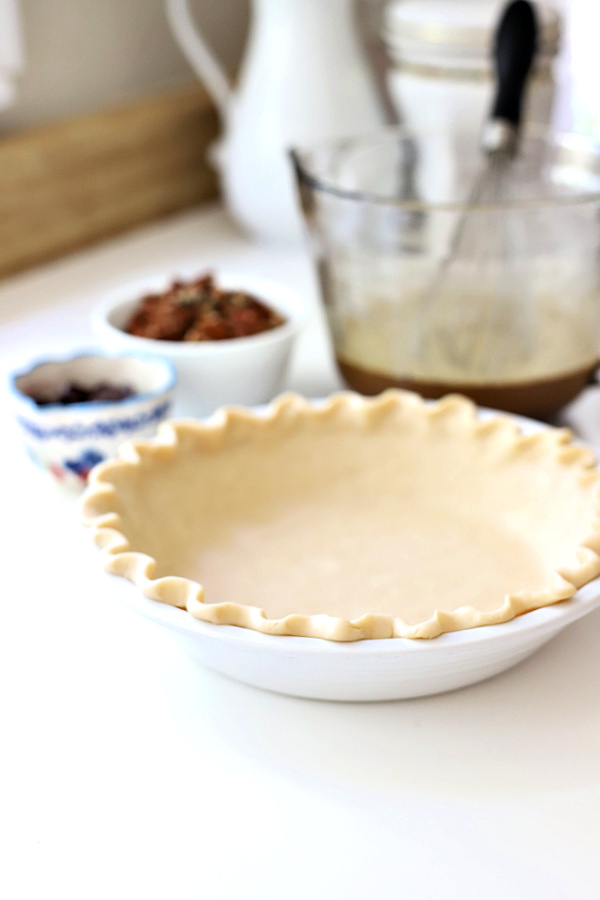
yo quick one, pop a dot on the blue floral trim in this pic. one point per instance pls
(78, 431)
(86, 461)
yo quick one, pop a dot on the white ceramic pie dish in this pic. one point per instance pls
(388, 669)
(365, 670)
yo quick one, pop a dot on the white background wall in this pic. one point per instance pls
(581, 64)
(85, 55)
(90, 54)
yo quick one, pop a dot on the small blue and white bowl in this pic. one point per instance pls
(69, 440)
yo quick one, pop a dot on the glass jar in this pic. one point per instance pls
(426, 290)
(440, 53)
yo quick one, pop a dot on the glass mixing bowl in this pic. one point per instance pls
(443, 273)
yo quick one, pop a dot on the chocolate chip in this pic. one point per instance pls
(73, 392)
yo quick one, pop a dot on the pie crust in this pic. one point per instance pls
(351, 519)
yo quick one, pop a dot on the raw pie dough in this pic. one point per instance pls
(359, 518)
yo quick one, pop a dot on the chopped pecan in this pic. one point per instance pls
(199, 311)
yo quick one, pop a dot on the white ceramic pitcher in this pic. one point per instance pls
(303, 78)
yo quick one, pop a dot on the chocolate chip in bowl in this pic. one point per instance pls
(229, 336)
(74, 392)
(75, 412)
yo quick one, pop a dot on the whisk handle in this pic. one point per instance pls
(514, 52)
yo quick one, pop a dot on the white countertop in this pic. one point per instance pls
(128, 771)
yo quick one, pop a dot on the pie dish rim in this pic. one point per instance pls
(138, 567)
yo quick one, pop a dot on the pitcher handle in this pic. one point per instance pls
(199, 55)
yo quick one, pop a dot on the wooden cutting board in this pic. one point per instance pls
(68, 185)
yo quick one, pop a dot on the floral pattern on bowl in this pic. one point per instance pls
(69, 440)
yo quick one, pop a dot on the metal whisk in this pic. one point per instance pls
(474, 325)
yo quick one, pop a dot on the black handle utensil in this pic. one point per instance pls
(514, 52)
(481, 327)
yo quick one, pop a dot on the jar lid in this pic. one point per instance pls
(456, 32)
